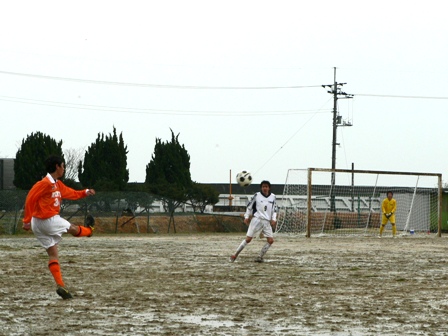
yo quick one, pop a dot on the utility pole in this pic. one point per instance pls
(230, 198)
(336, 91)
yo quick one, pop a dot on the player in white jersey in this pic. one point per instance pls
(264, 210)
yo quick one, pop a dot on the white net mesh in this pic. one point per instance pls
(352, 204)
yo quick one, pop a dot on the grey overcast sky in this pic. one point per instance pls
(239, 80)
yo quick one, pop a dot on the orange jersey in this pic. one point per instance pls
(44, 199)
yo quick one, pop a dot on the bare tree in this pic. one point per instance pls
(72, 158)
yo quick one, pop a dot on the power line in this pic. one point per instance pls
(397, 96)
(159, 86)
(292, 136)
(153, 111)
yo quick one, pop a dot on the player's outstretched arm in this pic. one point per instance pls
(249, 209)
(90, 192)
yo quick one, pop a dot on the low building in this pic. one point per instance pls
(6, 174)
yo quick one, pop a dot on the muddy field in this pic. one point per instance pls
(184, 285)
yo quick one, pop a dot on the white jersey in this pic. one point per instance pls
(262, 206)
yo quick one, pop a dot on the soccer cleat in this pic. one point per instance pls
(232, 258)
(63, 293)
(259, 260)
(90, 223)
(379, 236)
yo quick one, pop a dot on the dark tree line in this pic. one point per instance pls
(105, 163)
(29, 164)
(104, 167)
(168, 177)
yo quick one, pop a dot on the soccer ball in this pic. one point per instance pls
(244, 178)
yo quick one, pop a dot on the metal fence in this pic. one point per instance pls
(121, 212)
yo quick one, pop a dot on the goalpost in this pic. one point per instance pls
(318, 201)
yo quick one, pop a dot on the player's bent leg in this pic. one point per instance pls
(267, 231)
(52, 252)
(240, 248)
(394, 229)
(263, 251)
(80, 231)
(83, 231)
(384, 221)
(53, 265)
(382, 229)
(55, 269)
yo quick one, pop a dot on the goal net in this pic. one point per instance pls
(348, 202)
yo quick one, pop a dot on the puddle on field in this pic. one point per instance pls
(202, 320)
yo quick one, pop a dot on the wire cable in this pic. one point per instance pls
(291, 137)
(396, 96)
(153, 111)
(159, 86)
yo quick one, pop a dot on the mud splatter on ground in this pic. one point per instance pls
(184, 285)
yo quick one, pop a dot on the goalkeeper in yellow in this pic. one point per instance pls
(389, 206)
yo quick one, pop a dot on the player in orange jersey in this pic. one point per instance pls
(42, 207)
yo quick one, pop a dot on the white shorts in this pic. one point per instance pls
(258, 225)
(49, 231)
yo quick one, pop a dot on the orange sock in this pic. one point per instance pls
(55, 269)
(84, 231)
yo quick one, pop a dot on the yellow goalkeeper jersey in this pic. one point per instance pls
(389, 206)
